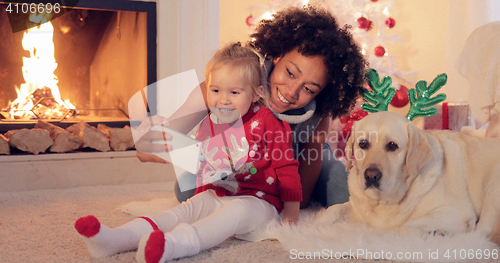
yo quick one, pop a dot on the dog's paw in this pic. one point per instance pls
(323, 218)
(470, 225)
(332, 214)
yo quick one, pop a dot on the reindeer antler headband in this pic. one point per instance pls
(420, 98)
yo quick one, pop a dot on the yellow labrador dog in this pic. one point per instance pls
(438, 181)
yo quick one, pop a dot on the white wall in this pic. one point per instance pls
(188, 35)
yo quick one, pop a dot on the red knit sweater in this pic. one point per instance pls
(260, 153)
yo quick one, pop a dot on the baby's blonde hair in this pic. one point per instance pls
(244, 61)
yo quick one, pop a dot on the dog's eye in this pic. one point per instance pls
(392, 146)
(363, 144)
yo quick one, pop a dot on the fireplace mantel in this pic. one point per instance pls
(51, 171)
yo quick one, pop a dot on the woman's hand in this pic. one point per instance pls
(184, 119)
(148, 157)
(145, 145)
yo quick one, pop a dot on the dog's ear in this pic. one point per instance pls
(349, 148)
(419, 150)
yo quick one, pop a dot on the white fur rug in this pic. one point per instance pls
(350, 240)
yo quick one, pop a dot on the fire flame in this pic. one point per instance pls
(40, 94)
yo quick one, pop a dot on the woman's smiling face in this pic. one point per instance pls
(295, 81)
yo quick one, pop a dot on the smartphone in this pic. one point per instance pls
(185, 151)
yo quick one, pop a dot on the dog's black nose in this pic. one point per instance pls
(372, 176)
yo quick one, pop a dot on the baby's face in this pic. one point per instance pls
(229, 96)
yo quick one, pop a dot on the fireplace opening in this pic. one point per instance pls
(65, 82)
(103, 53)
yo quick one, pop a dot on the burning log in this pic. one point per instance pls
(4, 145)
(44, 96)
(34, 141)
(90, 136)
(41, 104)
(47, 107)
(120, 139)
(63, 140)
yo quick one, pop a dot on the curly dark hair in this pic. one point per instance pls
(315, 31)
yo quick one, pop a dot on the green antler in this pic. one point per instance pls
(421, 101)
(382, 92)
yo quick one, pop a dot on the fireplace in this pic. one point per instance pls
(105, 52)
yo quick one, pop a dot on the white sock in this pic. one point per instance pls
(103, 241)
(158, 247)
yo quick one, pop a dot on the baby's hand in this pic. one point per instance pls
(290, 221)
(291, 212)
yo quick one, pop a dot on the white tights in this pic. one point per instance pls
(217, 218)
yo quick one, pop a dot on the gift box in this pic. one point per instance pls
(450, 116)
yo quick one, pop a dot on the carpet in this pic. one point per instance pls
(37, 226)
(354, 240)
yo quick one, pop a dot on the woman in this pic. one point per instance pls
(314, 72)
